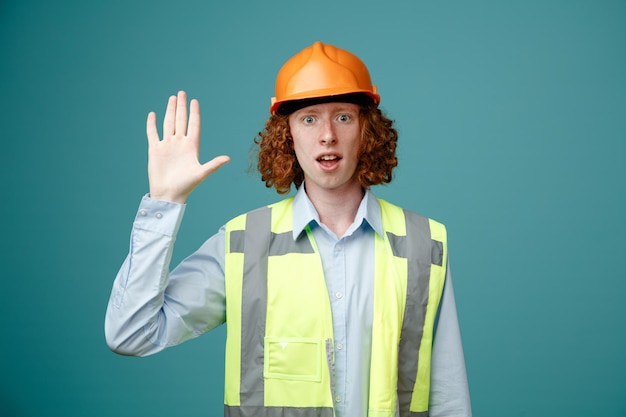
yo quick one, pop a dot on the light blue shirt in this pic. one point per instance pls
(151, 309)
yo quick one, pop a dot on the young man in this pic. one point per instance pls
(336, 303)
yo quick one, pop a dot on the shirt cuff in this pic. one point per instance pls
(158, 216)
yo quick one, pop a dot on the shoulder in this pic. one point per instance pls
(280, 206)
(413, 220)
(386, 205)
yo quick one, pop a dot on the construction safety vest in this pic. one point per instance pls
(279, 345)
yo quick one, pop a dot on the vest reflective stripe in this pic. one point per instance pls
(277, 412)
(280, 322)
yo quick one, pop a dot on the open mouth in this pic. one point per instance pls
(328, 162)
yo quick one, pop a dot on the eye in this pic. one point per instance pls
(308, 119)
(344, 118)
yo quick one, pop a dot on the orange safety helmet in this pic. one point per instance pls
(322, 70)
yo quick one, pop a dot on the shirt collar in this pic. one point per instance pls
(304, 213)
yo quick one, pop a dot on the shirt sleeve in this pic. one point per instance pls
(449, 391)
(150, 308)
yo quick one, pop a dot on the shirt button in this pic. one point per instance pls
(159, 215)
(338, 399)
(339, 294)
(339, 346)
(143, 212)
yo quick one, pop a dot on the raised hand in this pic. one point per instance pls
(174, 169)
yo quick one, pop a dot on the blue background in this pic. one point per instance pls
(512, 120)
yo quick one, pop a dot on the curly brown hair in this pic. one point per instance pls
(279, 166)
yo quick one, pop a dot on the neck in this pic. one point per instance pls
(336, 208)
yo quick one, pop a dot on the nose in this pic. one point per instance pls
(328, 136)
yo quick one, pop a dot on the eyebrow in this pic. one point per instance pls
(343, 107)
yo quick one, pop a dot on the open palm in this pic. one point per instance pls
(174, 169)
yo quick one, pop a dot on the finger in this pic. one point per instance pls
(181, 114)
(151, 129)
(193, 131)
(169, 126)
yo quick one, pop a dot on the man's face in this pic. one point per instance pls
(326, 141)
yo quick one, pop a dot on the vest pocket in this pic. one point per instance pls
(298, 359)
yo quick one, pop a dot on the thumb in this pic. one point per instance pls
(214, 164)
